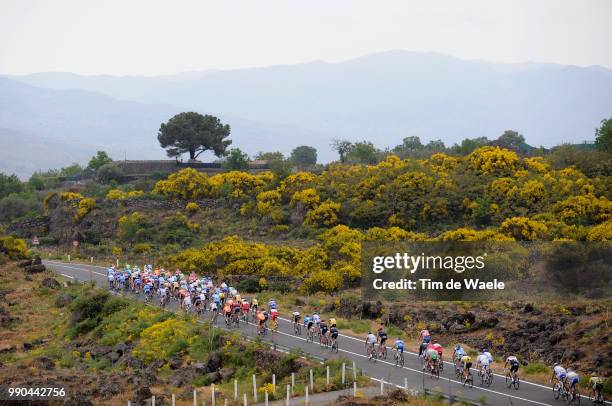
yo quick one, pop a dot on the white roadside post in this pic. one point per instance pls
(405, 382)
(173, 400)
(343, 373)
(244, 400)
(311, 381)
(152, 400)
(306, 404)
(68, 257)
(225, 402)
(274, 383)
(382, 387)
(129, 403)
(288, 395)
(266, 401)
(355, 389)
(254, 389)
(327, 376)
(354, 372)
(235, 390)
(92, 260)
(292, 382)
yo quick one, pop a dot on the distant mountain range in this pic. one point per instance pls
(380, 97)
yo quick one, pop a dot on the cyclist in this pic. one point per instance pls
(571, 380)
(307, 322)
(382, 339)
(425, 338)
(147, 290)
(227, 312)
(595, 386)
(558, 375)
(316, 319)
(296, 319)
(466, 364)
(245, 308)
(483, 362)
(254, 304)
(111, 278)
(323, 327)
(272, 305)
(197, 303)
(399, 346)
(333, 334)
(458, 353)
(187, 302)
(513, 362)
(440, 350)
(431, 358)
(370, 342)
(274, 317)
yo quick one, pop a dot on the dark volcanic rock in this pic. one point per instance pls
(35, 268)
(50, 283)
(45, 363)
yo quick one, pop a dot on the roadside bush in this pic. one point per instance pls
(13, 248)
(163, 340)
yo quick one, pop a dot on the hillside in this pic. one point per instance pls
(50, 128)
(384, 97)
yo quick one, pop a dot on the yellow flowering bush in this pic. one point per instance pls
(326, 214)
(601, 232)
(70, 196)
(187, 184)
(192, 207)
(493, 160)
(163, 340)
(307, 197)
(524, 229)
(296, 182)
(116, 194)
(267, 201)
(14, 248)
(85, 206)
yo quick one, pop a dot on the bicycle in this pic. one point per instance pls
(512, 379)
(297, 329)
(399, 358)
(573, 396)
(467, 380)
(559, 390)
(486, 377)
(598, 399)
(383, 351)
(334, 345)
(310, 335)
(372, 353)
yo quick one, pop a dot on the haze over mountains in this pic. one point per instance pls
(381, 97)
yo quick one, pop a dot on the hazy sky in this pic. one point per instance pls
(159, 37)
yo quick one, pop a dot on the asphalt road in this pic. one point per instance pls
(352, 348)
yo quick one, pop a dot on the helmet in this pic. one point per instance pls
(484, 350)
(435, 341)
(457, 346)
(556, 364)
(369, 332)
(399, 338)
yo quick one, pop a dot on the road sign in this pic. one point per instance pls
(75, 243)
(35, 241)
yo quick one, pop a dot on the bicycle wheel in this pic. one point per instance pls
(509, 382)
(517, 382)
(556, 391)
(470, 381)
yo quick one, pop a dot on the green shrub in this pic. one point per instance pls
(536, 368)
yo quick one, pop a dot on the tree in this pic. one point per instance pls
(193, 133)
(512, 140)
(277, 163)
(304, 156)
(363, 153)
(409, 144)
(237, 160)
(101, 158)
(9, 184)
(603, 135)
(108, 173)
(470, 144)
(342, 147)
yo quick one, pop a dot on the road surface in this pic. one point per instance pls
(352, 348)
